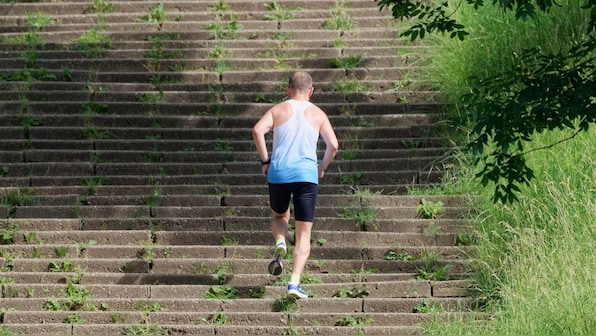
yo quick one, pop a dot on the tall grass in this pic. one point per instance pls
(495, 41)
(536, 258)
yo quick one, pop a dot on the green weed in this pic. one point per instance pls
(95, 42)
(346, 62)
(350, 321)
(222, 292)
(6, 280)
(280, 13)
(218, 319)
(74, 318)
(429, 209)
(8, 231)
(145, 329)
(76, 299)
(39, 20)
(397, 255)
(157, 14)
(13, 198)
(353, 293)
(431, 269)
(61, 251)
(102, 7)
(426, 307)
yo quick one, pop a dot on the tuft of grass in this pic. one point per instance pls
(13, 198)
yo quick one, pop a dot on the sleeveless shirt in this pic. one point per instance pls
(294, 153)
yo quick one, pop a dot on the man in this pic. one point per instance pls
(292, 170)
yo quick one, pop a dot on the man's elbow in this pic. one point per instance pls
(333, 148)
(256, 133)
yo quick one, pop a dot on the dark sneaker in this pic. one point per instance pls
(276, 265)
(295, 292)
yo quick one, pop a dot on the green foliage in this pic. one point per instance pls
(6, 280)
(28, 75)
(429, 209)
(340, 20)
(76, 299)
(225, 30)
(543, 92)
(395, 255)
(426, 307)
(278, 12)
(350, 321)
(74, 318)
(432, 270)
(537, 76)
(346, 62)
(94, 42)
(13, 198)
(61, 266)
(285, 305)
(218, 319)
(39, 20)
(222, 292)
(157, 14)
(148, 307)
(145, 330)
(529, 251)
(92, 183)
(439, 18)
(350, 84)
(353, 293)
(5, 331)
(8, 231)
(61, 251)
(102, 7)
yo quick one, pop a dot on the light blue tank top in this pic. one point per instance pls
(294, 155)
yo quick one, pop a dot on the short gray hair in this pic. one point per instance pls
(300, 81)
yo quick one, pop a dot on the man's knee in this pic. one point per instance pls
(283, 215)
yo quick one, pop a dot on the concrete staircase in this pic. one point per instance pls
(131, 196)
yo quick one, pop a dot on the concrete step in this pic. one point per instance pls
(389, 289)
(234, 266)
(102, 278)
(102, 329)
(218, 123)
(194, 50)
(227, 154)
(311, 305)
(221, 183)
(130, 8)
(250, 109)
(151, 210)
(193, 145)
(91, 249)
(223, 89)
(233, 318)
(324, 98)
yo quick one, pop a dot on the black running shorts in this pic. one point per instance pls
(304, 195)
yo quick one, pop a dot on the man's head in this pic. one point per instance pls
(300, 81)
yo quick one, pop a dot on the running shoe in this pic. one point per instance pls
(276, 265)
(296, 292)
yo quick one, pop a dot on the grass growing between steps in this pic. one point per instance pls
(536, 257)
